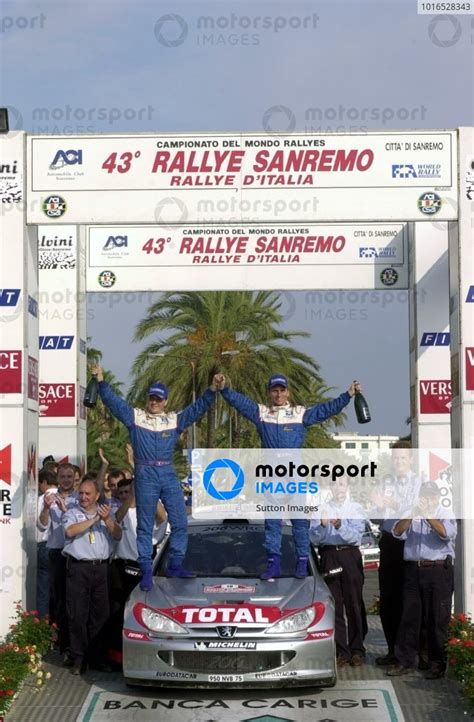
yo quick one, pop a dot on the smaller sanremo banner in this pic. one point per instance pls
(127, 258)
(243, 178)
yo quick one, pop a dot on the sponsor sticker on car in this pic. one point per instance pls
(225, 645)
(229, 588)
(224, 614)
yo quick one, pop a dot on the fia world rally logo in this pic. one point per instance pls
(232, 470)
(403, 171)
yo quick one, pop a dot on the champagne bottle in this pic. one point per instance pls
(361, 408)
(92, 392)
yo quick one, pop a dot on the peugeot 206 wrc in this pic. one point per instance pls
(227, 627)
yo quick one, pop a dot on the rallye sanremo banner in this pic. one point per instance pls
(127, 258)
(242, 178)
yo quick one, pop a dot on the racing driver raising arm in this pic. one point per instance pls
(154, 432)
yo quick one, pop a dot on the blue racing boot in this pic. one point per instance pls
(175, 569)
(301, 570)
(273, 569)
(146, 582)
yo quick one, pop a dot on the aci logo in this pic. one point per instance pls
(233, 467)
(55, 343)
(66, 157)
(116, 242)
(9, 296)
(403, 171)
(429, 203)
(433, 338)
(469, 297)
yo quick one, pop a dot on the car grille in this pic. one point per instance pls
(225, 662)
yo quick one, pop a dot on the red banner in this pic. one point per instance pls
(435, 396)
(6, 464)
(10, 372)
(32, 378)
(470, 368)
(57, 399)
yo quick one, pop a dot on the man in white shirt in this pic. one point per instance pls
(47, 484)
(89, 530)
(50, 520)
(337, 531)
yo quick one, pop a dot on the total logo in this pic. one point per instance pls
(115, 242)
(66, 157)
(434, 338)
(225, 614)
(55, 343)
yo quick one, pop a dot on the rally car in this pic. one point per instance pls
(227, 627)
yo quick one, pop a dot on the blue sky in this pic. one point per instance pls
(221, 66)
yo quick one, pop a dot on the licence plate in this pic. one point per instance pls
(226, 678)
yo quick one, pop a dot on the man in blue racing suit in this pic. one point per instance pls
(153, 434)
(282, 426)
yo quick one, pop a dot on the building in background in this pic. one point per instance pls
(364, 442)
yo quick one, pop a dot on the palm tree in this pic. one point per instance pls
(200, 331)
(103, 430)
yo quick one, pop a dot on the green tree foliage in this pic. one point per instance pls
(103, 430)
(237, 333)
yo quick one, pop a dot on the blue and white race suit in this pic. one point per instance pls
(284, 427)
(153, 438)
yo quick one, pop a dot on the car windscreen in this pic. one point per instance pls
(233, 550)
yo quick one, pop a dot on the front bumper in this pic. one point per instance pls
(274, 663)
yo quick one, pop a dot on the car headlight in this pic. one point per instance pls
(298, 621)
(157, 622)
